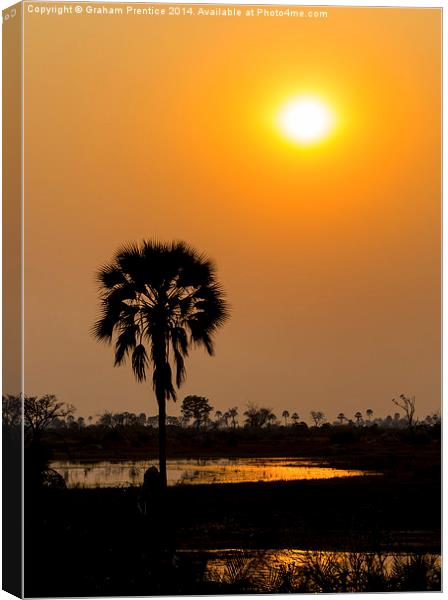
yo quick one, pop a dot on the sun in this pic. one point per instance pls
(305, 120)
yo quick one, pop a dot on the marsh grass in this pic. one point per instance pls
(417, 572)
(331, 572)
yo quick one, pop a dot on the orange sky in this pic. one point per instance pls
(141, 127)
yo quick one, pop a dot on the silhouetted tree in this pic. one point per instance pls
(252, 417)
(407, 403)
(358, 417)
(11, 411)
(70, 420)
(318, 417)
(285, 415)
(436, 418)
(157, 301)
(341, 418)
(271, 418)
(225, 418)
(118, 419)
(295, 418)
(233, 414)
(258, 417)
(41, 412)
(369, 413)
(106, 419)
(197, 408)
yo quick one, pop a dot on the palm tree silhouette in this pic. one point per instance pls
(226, 417)
(285, 415)
(157, 301)
(341, 418)
(233, 413)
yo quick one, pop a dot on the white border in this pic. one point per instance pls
(334, 3)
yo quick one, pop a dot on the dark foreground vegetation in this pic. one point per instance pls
(100, 540)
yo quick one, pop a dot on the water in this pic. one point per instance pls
(194, 471)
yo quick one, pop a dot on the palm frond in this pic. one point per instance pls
(103, 329)
(180, 349)
(126, 342)
(110, 276)
(114, 311)
(200, 335)
(139, 362)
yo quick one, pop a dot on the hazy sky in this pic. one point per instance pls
(165, 127)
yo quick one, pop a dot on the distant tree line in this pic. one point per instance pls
(48, 413)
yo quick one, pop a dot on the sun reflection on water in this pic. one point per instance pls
(198, 471)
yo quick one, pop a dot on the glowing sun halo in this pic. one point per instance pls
(305, 120)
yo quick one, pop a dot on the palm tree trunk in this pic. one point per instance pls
(162, 442)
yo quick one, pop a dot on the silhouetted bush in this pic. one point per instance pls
(301, 427)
